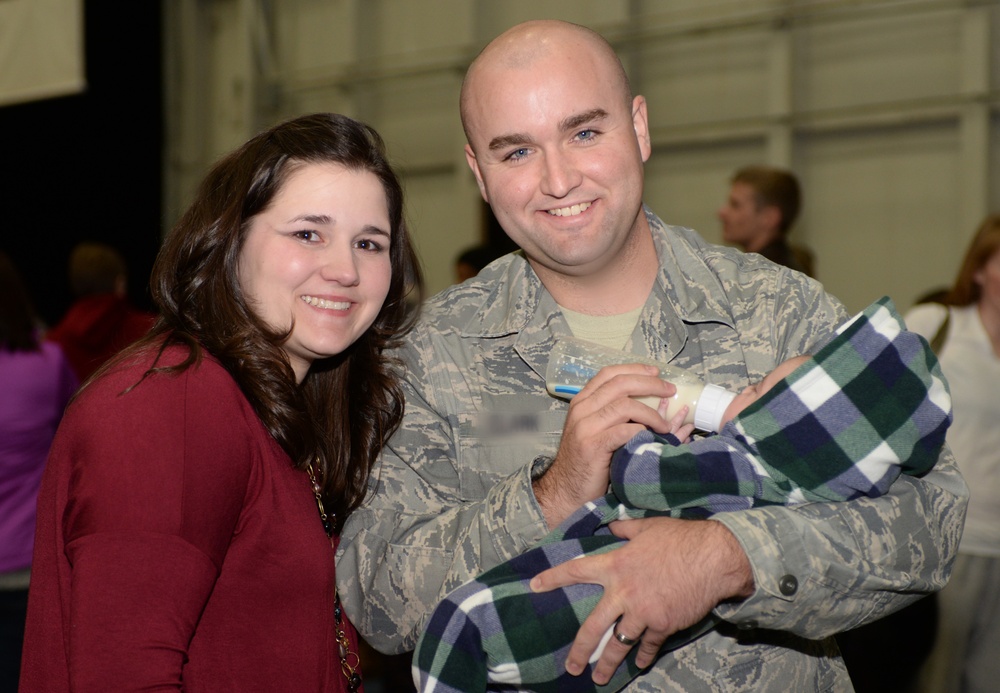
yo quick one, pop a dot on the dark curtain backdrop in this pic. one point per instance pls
(89, 167)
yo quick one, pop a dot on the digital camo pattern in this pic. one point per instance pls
(868, 405)
(452, 496)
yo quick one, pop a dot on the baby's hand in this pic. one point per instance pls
(681, 430)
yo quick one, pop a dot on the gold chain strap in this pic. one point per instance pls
(349, 661)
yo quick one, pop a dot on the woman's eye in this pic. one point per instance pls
(307, 235)
(371, 245)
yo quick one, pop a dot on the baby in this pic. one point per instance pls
(870, 404)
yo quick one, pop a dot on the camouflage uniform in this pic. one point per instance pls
(452, 496)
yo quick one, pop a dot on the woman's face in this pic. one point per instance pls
(988, 279)
(318, 257)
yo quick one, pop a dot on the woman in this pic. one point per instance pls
(967, 330)
(36, 382)
(197, 484)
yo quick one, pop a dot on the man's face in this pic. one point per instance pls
(743, 222)
(558, 153)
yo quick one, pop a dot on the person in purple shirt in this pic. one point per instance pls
(36, 382)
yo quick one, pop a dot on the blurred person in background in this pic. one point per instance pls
(101, 320)
(36, 382)
(762, 205)
(965, 330)
(473, 259)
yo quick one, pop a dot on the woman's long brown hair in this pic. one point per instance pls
(985, 243)
(347, 406)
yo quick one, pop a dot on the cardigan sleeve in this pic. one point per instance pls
(157, 480)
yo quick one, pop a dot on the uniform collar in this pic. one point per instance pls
(686, 291)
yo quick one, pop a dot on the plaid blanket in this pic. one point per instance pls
(868, 405)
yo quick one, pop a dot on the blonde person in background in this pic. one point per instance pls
(965, 330)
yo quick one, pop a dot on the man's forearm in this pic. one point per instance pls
(823, 568)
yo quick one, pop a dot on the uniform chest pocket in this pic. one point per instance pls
(497, 444)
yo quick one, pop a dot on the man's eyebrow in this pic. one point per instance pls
(575, 121)
(504, 141)
(570, 123)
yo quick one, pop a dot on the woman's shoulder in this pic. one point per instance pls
(166, 415)
(926, 319)
(155, 376)
(168, 361)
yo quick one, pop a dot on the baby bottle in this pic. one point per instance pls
(573, 362)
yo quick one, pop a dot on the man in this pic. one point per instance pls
(486, 462)
(783, 440)
(763, 204)
(101, 321)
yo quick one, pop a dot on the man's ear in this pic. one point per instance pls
(771, 216)
(640, 122)
(470, 157)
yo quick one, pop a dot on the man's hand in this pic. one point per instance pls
(669, 576)
(602, 418)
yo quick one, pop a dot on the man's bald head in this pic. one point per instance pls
(525, 45)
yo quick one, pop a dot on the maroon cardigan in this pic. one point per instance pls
(177, 548)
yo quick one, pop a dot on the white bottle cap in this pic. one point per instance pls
(711, 406)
